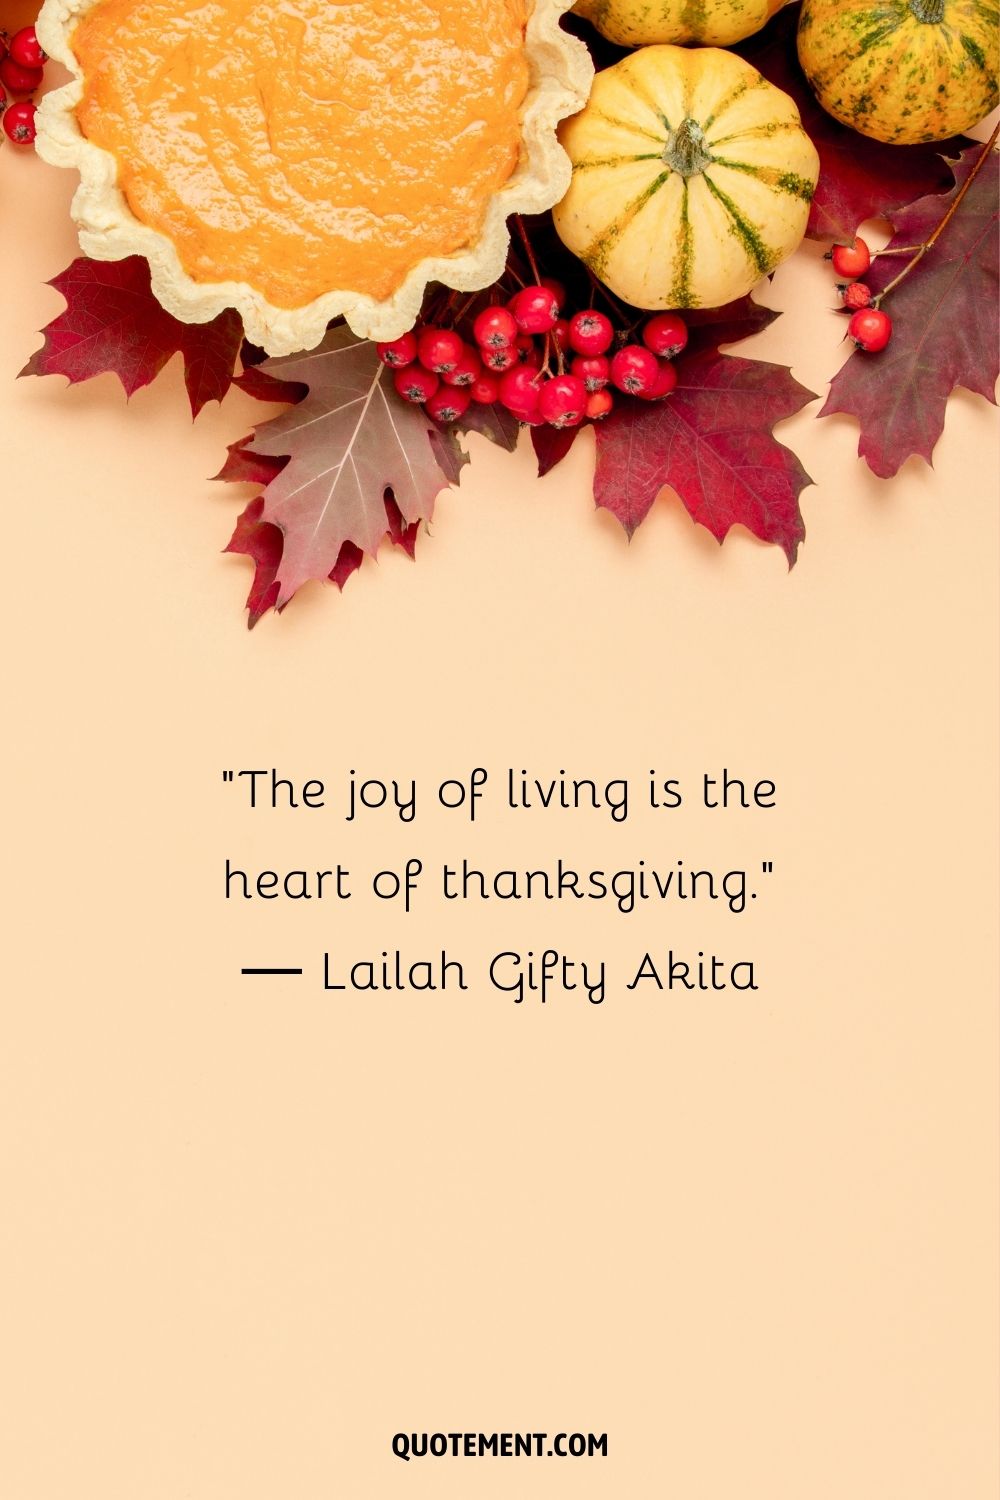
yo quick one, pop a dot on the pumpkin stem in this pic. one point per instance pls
(685, 149)
(930, 12)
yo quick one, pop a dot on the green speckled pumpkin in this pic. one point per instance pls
(636, 23)
(902, 71)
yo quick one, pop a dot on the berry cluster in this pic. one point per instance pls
(527, 357)
(870, 327)
(21, 65)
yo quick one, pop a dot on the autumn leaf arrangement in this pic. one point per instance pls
(569, 338)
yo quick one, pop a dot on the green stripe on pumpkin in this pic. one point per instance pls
(598, 252)
(755, 248)
(743, 87)
(757, 133)
(596, 113)
(693, 16)
(973, 50)
(680, 291)
(772, 177)
(614, 161)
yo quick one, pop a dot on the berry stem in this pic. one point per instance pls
(936, 233)
(463, 309)
(613, 303)
(532, 262)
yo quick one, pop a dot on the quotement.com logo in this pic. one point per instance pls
(410, 1445)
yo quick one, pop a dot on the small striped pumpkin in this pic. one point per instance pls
(716, 23)
(902, 71)
(692, 178)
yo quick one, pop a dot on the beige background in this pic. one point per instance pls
(251, 1230)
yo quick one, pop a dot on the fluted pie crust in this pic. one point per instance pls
(126, 203)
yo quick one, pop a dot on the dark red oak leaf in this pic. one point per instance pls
(255, 382)
(493, 422)
(944, 316)
(348, 465)
(263, 542)
(244, 467)
(859, 178)
(551, 445)
(113, 323)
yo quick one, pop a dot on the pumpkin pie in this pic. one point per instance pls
(303, 159)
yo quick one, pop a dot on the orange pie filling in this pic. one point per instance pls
(306, 146)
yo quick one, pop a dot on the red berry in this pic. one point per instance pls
(856, 295)
(556, 288)
(19, 123)
(18, 79)
(447, 404)
(634, 370)
(599, 403)
(439, 349)
(501, 358)
(593, 369)
(532, 358)
(666, 379)
(535, 309)
(563, 401)
(870, 329)
(590, 332)
(524, 344)
(399, 352)
(3, 98)
(851, 260)
(560, 334)
(466, 371)
(25, 50)
(415, 384)
(486, 390)
(666, 334)
(519, 391)
(494, 328)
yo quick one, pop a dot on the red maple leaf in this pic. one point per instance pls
(944, 319)
(859, 178)
(113, 323)
(710, 441)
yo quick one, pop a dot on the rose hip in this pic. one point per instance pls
(18, 79)
(666, 334)
(594, 370)
(24, 48)
(563, 401)
(590, 332)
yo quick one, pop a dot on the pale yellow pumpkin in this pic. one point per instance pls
(637, 23)
(692, 178)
